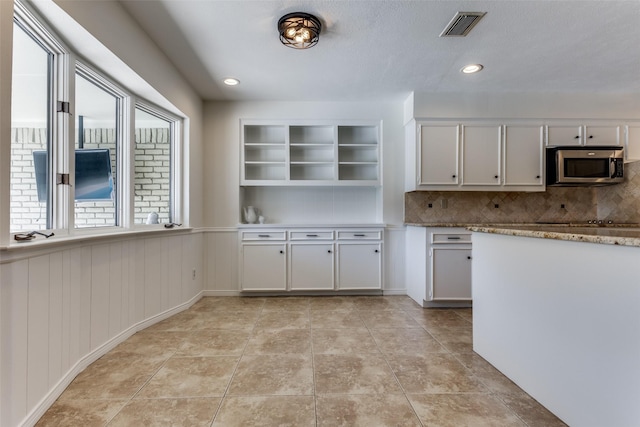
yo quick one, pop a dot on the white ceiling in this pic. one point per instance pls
(387, 49)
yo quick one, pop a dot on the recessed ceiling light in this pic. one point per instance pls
(472, 68)
(230, 81)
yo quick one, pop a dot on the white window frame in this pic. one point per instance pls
(176, 131)
(123, 155)
(60, 89)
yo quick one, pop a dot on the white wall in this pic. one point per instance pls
(582, 106)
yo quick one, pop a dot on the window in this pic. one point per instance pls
(153, 195)
(97, 142)
(30, 132)
(101, 160)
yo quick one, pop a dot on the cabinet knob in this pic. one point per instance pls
(495, 176)
(577, 137)
(453, 176)
(281, 252)
(537, 176)
(590, 136)
(329, 251)
(468, 257)
(376, 251)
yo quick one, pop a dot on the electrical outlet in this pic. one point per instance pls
(193, 274)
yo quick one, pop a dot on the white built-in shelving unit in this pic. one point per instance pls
(282, 154)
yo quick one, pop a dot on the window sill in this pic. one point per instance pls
(92, 237)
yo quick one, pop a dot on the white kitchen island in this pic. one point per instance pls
(558, 312)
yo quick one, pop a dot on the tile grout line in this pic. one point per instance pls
(235, 369)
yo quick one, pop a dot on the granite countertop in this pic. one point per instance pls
(610, 234)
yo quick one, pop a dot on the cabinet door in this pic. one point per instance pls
(264, 267)
(564, 135)
(359, 266)
(602, 135)
(438, 155)
(481, 155)
(632, 149)
(451, 274)
(523, 155)
(311, 266)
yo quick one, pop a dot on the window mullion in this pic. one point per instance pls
(63, 143)
(127, 155)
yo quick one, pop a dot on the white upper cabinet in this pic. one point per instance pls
(564, 135)
(632, 147)
(590, 134)
(481, 155)
(602, 135)
(438, 155)
(523, 155)
(319, 153)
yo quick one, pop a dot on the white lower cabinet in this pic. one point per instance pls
(264, 267)
(324, 259)
(311, 266)
(359, 265)
(450, 274)
(438, 266)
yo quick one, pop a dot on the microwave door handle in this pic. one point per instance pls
(612, 168)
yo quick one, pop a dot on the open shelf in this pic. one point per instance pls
(265, 171)
(358, 171)
(265, 134)
(358, 153)
(312, 171)
(311, 135)
(358, 135)
(264, 153)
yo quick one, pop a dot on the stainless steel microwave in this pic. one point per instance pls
(596, 165)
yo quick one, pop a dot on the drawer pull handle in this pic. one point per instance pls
(312, 235)
(264, 235)
(453, 238)
(358, 235)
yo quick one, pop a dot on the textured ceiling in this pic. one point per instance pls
(387, 49)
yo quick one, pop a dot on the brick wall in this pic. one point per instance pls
(151, 182)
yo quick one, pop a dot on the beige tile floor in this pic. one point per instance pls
(298, 361)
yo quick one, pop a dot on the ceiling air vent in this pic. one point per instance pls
(462, 23)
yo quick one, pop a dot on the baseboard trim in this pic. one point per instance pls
(394, 292)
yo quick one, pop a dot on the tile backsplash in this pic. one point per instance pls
(618, 203)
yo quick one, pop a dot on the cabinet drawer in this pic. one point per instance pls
(450, 238)
(359, 235)
(311, 235)
(263, 235)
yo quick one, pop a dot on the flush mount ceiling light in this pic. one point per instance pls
(299, 30)
(231, 81)
(471, 68)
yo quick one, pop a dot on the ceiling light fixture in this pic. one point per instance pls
(231, 81)
(299, 30)
(472, 68)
